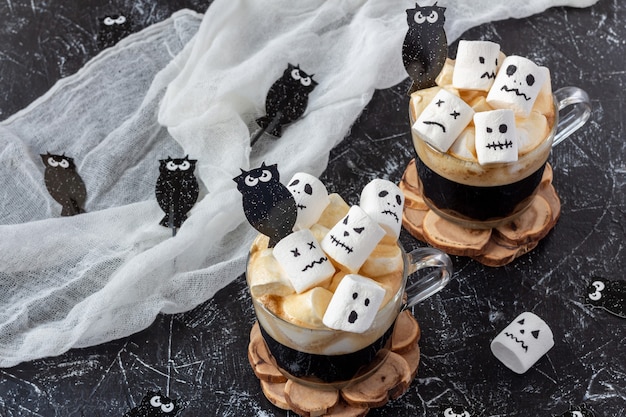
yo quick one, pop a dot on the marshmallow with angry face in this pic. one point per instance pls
(311, 198)
(517, 85)
(352, 239)
(496, 137)
(383, 201)
(476, 65)
(354, 304)
(443, 120)
(523, 342)
(304, 262)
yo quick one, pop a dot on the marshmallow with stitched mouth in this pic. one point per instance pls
(352, 239)
(311, 198)
(476, 66)
(383, 201)
(443, 120)
(523, 342)
(306, 265)
(496, 137)
(517, 85)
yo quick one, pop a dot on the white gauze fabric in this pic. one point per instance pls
(83, 280)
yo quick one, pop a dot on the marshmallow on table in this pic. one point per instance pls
(523, 342)
(443, 120)
(354, 304)
(305, 264)
(476, 65)
(495, 136)
(352, 239)
(517, 85)
(383, 201)
(311, 198)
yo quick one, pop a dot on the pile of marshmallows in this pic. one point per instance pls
(349, 243)
(512, 86)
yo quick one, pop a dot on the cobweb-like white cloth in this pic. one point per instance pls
(83, 280)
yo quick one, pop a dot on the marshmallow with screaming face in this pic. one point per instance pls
(352, 239)
(311, 198)
(304, 262)
(383, 201)
(443, 120)
(354, 304)
(476, 65)
(496, 137)
(517, 85)
(523, 342)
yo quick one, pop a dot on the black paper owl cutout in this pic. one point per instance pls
(609, 295)
(112, 28)
(268, 205)
(176, 190)
(154, 404)
(457, 410)
(425, 47)
(286, 99)
(578, 411)
(64, 184)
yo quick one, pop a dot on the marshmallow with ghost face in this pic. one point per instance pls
(443, 120)
(354, 304)
(523, 342)
(352, 239)
(383, 201)
(496, 136)
(476, 65)
(517, 85)
(311, 198)
(303, 260)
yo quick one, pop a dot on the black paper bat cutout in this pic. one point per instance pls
(176, 190)
(609, 295)
(268, 205)
(425, 47)
(64, 184)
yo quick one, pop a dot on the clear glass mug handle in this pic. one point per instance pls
(579, 111)
(439, 276)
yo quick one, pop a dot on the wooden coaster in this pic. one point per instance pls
(388, 382)
(492, 247)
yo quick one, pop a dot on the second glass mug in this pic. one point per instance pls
(456, 189)
(332, 359)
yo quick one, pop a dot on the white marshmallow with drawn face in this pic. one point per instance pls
(303, 260)
(354, 304)
(443, 120)
(517, 85)
(476, 65)
(311, 198)
(523, 342)
(495, 136)
(352, 239)
(383, 201)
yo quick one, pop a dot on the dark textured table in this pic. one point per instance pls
(200, 356)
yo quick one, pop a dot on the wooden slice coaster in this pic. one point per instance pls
(491, 247)
(388, 382)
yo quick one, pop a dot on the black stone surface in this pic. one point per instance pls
(200, 356)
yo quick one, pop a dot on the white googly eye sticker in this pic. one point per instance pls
(184, 166)
(305, 81)
(52, 162)
(64, 163)
(295, 74)
(155, 401)
(120, 20)
(108, 21)
(432, 17)
(251, 181)
(595, 296)
(167, 408)
(265, 176)
(599, 285)
(419, 18)
(171, 166)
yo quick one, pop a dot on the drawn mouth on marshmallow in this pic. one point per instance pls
(391, 213)
(339, 243)
(429, 122)
(489, 75)
(312, 264)
(517, 340)
(516, 91)
(301, 206)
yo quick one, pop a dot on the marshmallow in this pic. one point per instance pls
(495, 136)
(352, 239)
(306, 265)
(307, 309)
(311, 198)
(334, 212)
(517, 85)
(476, 65)
(443, 120)
(383, 201)
(354, 304)
(265, 276)
(523, 342)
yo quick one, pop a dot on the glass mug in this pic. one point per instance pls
(327, 358)
(485, 196)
